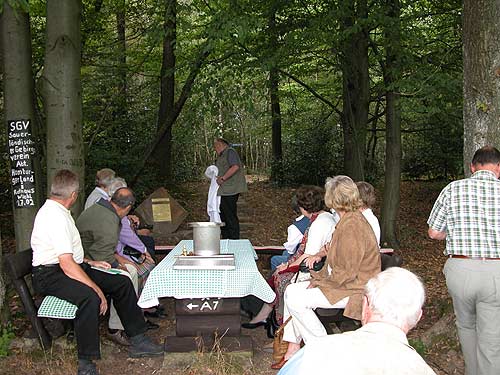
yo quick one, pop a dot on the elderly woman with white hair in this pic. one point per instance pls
(352, 259)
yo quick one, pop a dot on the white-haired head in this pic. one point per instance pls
(104, 177)
(116, 184)
(395, 296)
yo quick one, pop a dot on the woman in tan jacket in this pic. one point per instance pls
(352, 259)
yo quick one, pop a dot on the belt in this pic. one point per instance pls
(473, 258)
(42, 266)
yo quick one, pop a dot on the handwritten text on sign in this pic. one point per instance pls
(21, 150)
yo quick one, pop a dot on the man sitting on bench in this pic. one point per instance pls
(59, 269)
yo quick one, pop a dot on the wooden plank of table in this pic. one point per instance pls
(196, 325)
(198, 344)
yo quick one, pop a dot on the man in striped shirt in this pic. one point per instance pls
(467, 215)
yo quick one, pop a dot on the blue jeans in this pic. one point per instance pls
(278, 259)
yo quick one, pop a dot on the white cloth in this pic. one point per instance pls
(373, 221)
(376, 348)
(320, 232)
(55, 233)
(294, 237)
(213, 200)
(300, 302)
(95, 197)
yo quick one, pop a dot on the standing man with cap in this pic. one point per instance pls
(467, 215)
(232, 183)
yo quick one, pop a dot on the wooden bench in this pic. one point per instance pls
(18, 266)
(328, 316)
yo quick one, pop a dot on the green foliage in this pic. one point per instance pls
(16, 5)
(419, 346)
(230, 97)
(6, 336)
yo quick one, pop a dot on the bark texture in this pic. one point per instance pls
(481, 37)
(356, 87)
(2, 280)
(62, 91)
(163, 153)
(277, 168)
(121, 103)
(19, 102)
(392, 75)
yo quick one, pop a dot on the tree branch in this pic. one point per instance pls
(312, 91)
(179, 104)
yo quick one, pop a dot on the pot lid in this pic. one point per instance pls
(205, 224)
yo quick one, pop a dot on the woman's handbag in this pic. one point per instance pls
(316, 267)
(134, 254)
(272, 324)
(279, 346)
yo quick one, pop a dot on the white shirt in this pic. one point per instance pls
(294, 237)
(95, 197)
(213, 200)
(374, 349)
(373, 221)
(54, 233)
(320, 233)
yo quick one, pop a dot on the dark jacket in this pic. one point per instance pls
(236, 183)
(99, 227)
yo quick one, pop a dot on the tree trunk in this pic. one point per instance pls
(62, 91)
(179, 104)
(21, 121)
(120, 112)
(356, 87)
(392, 76)
(167, 92)
(276, 167)
(2, 280)
(481, 38)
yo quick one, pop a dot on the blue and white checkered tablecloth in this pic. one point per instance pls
(164, 281)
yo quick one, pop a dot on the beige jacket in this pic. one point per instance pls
(354, 258)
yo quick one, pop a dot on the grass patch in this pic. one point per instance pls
(419, 346)
(6, 336)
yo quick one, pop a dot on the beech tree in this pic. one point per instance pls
(62, 90)
(273, 84)
(163, 156)
(481, 52)
(356, 86)
(2, 281)
(392, 76)
(21, 120)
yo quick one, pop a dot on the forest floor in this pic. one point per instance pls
(266, 209)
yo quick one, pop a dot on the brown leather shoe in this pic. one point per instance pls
(280, 364)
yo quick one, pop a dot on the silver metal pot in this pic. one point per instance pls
(206, 238)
